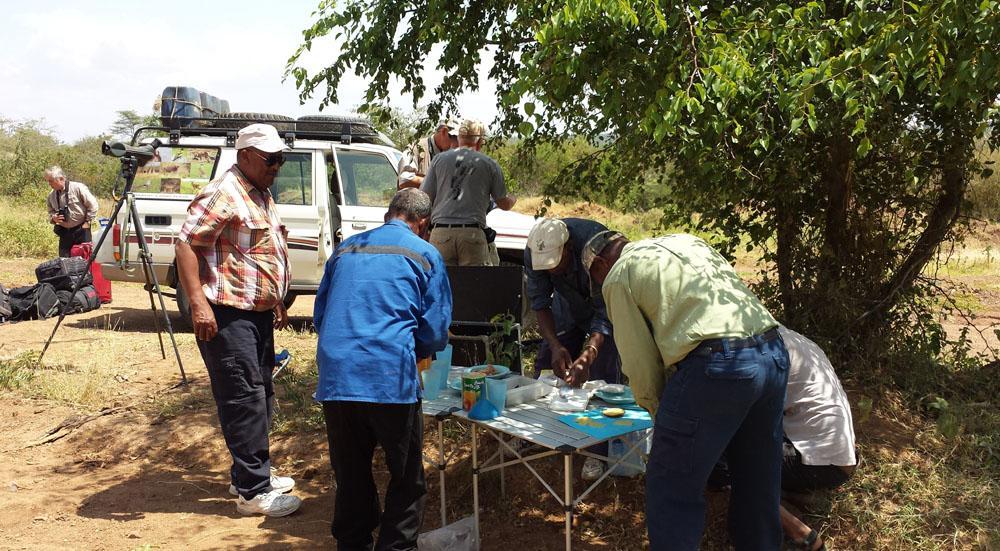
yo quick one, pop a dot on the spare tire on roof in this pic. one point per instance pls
(239, 120)
(360, 126)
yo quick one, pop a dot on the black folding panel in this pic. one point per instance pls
(479, 293)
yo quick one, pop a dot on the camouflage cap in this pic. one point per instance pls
(472, 127)
(595, 245)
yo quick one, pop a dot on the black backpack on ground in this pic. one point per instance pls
(5, 312)
(33, 302)
(84, 300)
(63, 273)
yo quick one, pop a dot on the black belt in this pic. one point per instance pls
(454, 226)
(716, 345)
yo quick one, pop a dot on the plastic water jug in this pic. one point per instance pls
(619, 446)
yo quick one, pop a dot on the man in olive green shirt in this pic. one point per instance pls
(674, 301)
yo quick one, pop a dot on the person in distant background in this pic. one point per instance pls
(417, 158)
(72, 208)
(461, 182)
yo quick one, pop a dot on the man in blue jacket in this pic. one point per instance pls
(384, 303)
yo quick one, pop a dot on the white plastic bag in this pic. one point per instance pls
(567, 399)
(636, 462)
(457, 536)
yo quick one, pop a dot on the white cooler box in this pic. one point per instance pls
(521, 389)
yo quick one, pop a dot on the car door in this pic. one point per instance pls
(295, 195)
(367, 182)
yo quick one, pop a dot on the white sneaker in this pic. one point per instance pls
(271, 504)
(281, 484)
(593, 468)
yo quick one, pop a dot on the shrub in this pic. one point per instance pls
(25, 230)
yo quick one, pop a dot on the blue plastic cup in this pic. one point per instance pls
(435, 379)
(496, 393)
(443, 357)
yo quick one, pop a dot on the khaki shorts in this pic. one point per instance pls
(461, 246)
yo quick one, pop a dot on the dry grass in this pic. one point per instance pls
(635, 225)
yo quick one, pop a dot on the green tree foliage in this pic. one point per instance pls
(128, 121)
(837, 137)
(27, 148)
(530, 169)
(400, 125)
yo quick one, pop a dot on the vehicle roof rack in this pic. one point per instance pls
(345, 129)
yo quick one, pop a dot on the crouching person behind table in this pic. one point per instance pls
(232, 257)
(383, 304)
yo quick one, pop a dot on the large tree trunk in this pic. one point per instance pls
(838, 179)
(788, 230)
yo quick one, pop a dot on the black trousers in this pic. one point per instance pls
(73, 236)
(353, 430)
(239, 361)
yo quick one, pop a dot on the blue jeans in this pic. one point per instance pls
(719, 401)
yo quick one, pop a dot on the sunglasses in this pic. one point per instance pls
(270, 160)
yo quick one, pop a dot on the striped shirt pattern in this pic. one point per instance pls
(241, 245)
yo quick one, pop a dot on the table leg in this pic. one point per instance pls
(503, 459)
(475, 480)
(568, 498)
(441, 467)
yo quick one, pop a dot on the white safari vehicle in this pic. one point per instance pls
(337, 180)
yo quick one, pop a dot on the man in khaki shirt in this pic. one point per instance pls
(71, 208)
(675, 301)
(418, 156)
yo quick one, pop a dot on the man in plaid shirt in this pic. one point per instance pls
(232, 258)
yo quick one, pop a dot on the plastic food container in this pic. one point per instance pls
(522, 389)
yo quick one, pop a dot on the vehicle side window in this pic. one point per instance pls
(183, 170)
(294, 183)
(368, 178)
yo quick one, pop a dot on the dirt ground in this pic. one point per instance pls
(153, 473)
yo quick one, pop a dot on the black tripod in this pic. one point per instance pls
(130, 163)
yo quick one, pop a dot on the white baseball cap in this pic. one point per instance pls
(546, 240)
(263, 137)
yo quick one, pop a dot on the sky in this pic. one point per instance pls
(73, 64)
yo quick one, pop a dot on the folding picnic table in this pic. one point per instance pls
(440, 409)
(535, 423)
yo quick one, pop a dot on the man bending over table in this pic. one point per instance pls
(384, 302)
(674, 301)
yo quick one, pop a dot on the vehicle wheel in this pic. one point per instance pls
(335, 123)
(239, 120)
(184, 307)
